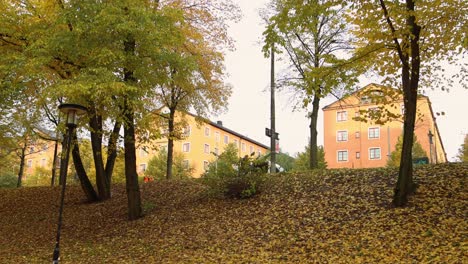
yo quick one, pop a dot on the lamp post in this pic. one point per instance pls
(430, 135)
(71, 112)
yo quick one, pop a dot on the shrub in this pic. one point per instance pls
(8, 180)
(235, 177)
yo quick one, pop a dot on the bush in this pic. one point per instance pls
(235, 177)
(8, 180)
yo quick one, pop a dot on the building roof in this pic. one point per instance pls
(219, 125)
(346, 100)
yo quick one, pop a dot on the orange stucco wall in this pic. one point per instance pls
(359, 144)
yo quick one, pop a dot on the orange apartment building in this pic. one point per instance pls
(200, 143)
(350, 143)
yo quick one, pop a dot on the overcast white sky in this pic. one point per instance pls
(249, 105)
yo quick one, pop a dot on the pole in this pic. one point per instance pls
(272, 115)
(63, 175)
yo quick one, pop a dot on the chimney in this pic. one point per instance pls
(219, 123)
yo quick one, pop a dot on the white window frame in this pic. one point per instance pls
(43, 162)
(206, 148)
(206, 165)
(226, 139)
(142, 167)
(380, 153)
(187, 131)
(186, 164)
(252, 149)
(340, 132)
(236, 142)
(358, 154)
(183, 147)
(216, 151)
(243, 147)
(207, 131)
(217, 137)
(29, 164)
(341, 116)
(369, 134)
(338, 155)
(357, 134)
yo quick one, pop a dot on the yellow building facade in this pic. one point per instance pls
(350, 141)
(200, 143)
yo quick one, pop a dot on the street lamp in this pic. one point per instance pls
(71, 112)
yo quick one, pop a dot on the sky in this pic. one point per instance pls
(249, 106)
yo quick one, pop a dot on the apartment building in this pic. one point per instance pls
(352, 140)
(201, 141)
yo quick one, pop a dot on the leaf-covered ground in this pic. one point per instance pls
(341, 216)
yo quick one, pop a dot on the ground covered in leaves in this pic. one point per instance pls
(337, 216)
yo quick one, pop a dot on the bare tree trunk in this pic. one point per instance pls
(170, 144)
(133, 188)
(54, 162)
(112, 151)
(313, 162)
(410, 79)
(131, 176)
(96, 143)
(86, 185)
(21, 168)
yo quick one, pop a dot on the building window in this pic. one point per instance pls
(374, 153)
(217, 136)
(29, 163)
(216, 151)
(374, 132)
(342, 155)
(259, 152)
(373, 110)
(43, 162)
(243, 147)
(207, 148)
(252, 149)
(358, 134)
(235, 142)
(186, 131)
(358, 155)
(226, 139)
(341, 116)
(357, 114)
(186, 147)
(186, 164)
(206, 165)
(142, 167)
(342, 135)
(31, 149)
(207, 131)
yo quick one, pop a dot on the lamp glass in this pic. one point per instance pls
(72, 111)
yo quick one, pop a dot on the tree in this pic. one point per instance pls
(313, 35)
(157, 166)
(403, 40)
(224, 164)
(301, 162)
(395, 156)
(463, 151)
(194, 69)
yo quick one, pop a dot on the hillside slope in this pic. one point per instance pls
(338, 216)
